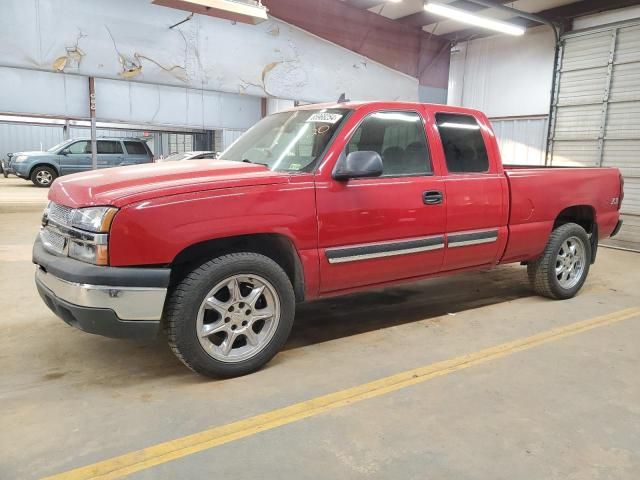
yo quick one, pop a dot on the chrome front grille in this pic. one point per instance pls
(53, 241)
(60, 213)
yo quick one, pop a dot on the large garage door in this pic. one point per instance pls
(596, 118)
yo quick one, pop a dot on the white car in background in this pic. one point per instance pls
(189, 156)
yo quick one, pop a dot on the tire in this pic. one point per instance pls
(203, 302)
(43, 176)
(543, 273)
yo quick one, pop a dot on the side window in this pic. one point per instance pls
(462, 141)
(400, 140)
(79, 147)
(109, 146)
(135, 148)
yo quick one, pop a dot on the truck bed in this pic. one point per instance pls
(539, 194)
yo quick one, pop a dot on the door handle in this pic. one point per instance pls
(432, 197)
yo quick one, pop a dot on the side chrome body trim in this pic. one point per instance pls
(367, 251)
(129, 303)
(463, 239)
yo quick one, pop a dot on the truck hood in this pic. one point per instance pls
(124, 185)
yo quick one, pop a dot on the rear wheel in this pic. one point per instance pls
(43, 176)
(563, 267)
(231, 315)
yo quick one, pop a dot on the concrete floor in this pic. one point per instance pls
(567, 409)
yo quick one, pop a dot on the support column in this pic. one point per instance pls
(92, 113)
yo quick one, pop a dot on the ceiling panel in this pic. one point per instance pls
(411, 12)
(395, 10)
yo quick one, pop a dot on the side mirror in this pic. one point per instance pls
(363, 164)
(64, 152)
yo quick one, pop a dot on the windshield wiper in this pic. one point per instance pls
(246, 160)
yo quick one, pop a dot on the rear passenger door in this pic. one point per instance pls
(475, 189)
(110, 153)
(136, 153)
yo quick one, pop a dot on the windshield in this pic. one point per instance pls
(57, 147)
(288, 141)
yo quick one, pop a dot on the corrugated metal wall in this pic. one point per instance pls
(522, 140)
(504, 76)
(229, 136)
(16, 137)
(596, 119)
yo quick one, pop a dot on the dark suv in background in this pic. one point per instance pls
(72, 156)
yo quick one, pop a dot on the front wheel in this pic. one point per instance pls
(563, 267)
(231, 315)
(43, 176)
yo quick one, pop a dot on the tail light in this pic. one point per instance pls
(621, 191)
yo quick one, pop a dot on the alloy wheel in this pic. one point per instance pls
(238, 318)
(570, 262)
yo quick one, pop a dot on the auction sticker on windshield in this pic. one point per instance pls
(325, 117)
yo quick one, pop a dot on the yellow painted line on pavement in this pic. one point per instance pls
(128, 463)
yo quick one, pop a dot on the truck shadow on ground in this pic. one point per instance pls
(339, 317)
(316, 322)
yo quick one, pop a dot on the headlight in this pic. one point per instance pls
(21, 158)
(93, 219)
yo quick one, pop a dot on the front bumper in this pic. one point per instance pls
(7, 168)
(20, 169)
(110, 301)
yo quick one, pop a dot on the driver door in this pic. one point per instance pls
(76, 157)
(377, 230)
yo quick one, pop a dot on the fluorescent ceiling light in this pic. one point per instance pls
(465, 16)
(245, 11)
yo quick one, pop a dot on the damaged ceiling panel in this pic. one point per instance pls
(141, 42)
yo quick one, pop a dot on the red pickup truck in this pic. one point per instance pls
(316, 201)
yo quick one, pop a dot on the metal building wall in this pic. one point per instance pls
(596, 118)
(21, 137)
(207, 72)
(510, 80)
(522, 140)
(504, 76)
(229, 136)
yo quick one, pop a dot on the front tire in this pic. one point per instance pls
(43, 176)
(563, 267)
(231, 315)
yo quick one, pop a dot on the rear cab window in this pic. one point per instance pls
(398, 137)
(462, 142)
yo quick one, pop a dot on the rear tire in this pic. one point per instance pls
(43, 176)
(231, 315)
(564, 265)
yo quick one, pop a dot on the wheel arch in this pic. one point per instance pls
(277, 247)
(585, 216)
(44, 164)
